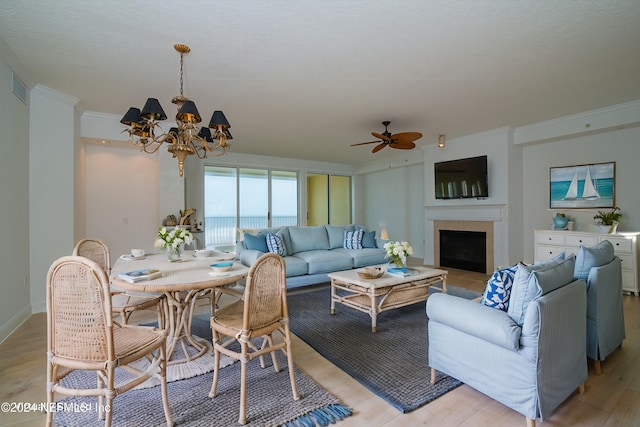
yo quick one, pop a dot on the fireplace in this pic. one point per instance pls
(484, 227)
(465, 250)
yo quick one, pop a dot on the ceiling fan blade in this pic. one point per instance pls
(381, 136)
(403, 145)
(379, 147)
(363, 143)
(406, 136)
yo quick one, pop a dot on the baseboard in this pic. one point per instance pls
(14, 323)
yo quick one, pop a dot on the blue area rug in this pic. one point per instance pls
(392, 363)
(269, 399)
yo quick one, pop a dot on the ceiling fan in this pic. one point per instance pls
(401, 141)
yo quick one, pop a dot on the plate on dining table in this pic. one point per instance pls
(129, 257)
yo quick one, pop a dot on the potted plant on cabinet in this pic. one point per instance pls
(607, 222)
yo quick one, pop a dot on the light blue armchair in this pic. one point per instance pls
(530, 362)
(605, 315)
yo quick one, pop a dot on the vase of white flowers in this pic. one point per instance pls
(397, 253)
(173, 242)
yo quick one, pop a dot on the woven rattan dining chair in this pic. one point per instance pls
(261, 312)
(122, 303)
(81, 335)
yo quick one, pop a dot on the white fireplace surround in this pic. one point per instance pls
(482, 217)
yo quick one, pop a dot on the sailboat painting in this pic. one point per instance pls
(582, 186)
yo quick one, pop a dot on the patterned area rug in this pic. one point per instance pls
(392, 363)
(269, 399)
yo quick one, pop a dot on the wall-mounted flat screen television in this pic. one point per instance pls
(462, 178)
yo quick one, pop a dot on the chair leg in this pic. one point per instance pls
(163, 385)
(50, 394)
(597, 368)
(292, 375)
(531, 422)
(274, 359)
(242, 419)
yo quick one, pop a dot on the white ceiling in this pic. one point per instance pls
(307, 78)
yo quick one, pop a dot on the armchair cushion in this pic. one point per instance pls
(498, 290)
(480, 321)
(594, 256)
(535, 280)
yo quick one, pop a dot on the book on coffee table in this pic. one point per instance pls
(402, 271)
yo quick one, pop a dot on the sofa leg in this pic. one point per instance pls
(433, 376)
(597, 368)
(581, 388)
(531, 422)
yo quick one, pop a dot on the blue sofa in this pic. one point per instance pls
(530, 357)
(313, 252)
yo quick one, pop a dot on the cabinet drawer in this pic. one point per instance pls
(629, 282)
(571, 240)
(547, 252)
(550, 239)
(627, 261)
(620, 244)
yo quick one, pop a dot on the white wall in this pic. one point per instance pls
(390, 194)
(616, 145)
(14, 204)
(122, 199)
(53, 211)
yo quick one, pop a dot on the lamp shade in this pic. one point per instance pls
(131, 117)
(218, 119)
(188, 113)
(205, 134)
(153, 110)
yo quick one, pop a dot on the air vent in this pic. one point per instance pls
(19, 89)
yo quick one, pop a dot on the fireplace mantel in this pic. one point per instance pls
(465, 212)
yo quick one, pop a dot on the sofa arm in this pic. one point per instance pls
(470, 317)
(249, 256)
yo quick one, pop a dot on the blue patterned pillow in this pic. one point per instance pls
(353, 239)
(499, 288)
(276, 245)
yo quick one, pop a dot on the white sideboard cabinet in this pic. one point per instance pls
(549, 243)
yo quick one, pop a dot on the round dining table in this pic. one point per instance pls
(181, 283)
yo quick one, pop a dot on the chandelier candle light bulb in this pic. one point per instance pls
(182, 140)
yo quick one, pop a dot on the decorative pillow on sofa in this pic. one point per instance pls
(353, 239)
(276, 244)
(594, 256)
(498, 290)
(369, 239)
(532, 281)
(257, 242)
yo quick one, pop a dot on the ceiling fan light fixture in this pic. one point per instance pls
(441, 140)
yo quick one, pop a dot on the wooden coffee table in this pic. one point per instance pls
(374, 296)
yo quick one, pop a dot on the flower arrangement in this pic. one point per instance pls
(173, 238)
(397, 252)
(172, 241)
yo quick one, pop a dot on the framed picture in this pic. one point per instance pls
(583, 186)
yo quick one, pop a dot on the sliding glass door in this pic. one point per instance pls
(328, 199)
(247, 198)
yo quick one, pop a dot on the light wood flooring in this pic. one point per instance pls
(611, 399)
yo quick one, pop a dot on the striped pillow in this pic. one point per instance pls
(276, 245)
(353, 239)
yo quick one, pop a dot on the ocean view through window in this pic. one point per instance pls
(247, 198)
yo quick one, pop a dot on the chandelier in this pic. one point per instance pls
(184, 140)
